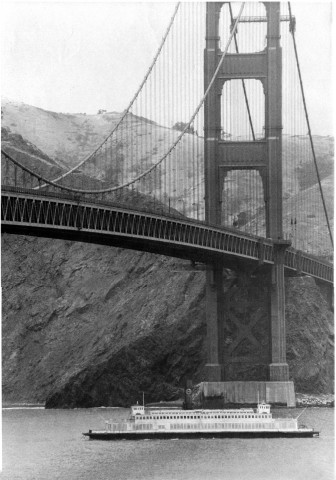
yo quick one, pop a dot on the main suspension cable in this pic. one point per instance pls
(185, 130)
(126, 112)
(243, 81)
(292, 30)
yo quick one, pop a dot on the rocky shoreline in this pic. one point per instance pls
(303, 400)
(311, 400)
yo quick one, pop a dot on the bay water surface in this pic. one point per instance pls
(48, 444)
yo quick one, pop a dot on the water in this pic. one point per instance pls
(47, 444)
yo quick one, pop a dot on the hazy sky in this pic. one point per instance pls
(81, 56)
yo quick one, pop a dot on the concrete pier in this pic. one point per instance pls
(218, 394)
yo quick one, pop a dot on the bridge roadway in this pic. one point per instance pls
(34, 213)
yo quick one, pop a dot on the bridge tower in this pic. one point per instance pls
(221, 157)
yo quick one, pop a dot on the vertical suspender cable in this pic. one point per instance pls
(292, 29)
(172, 147)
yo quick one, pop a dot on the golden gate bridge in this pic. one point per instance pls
(203, 164)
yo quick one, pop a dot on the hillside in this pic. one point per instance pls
(87, 325)
(68, 139)
(63, 137)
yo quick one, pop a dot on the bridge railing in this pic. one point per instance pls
(163, 232)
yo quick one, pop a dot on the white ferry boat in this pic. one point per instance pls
(147, 423)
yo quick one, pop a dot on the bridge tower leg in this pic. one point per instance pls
(212, 124)
(265, 157)
(278, 370)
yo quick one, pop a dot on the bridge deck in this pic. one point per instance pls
(29, 212)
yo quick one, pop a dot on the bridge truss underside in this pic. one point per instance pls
(46, 216)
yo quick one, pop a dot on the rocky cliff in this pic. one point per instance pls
(90, 325)
(87, 325)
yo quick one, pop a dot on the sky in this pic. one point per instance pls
(81, 56)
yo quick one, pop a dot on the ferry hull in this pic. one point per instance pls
(220, 434)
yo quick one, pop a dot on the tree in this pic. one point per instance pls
(181, 126)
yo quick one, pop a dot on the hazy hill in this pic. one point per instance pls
(86, 325)
(63, 137)
(67, 139)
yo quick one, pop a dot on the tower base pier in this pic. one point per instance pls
(213, 372)
(219, 394)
